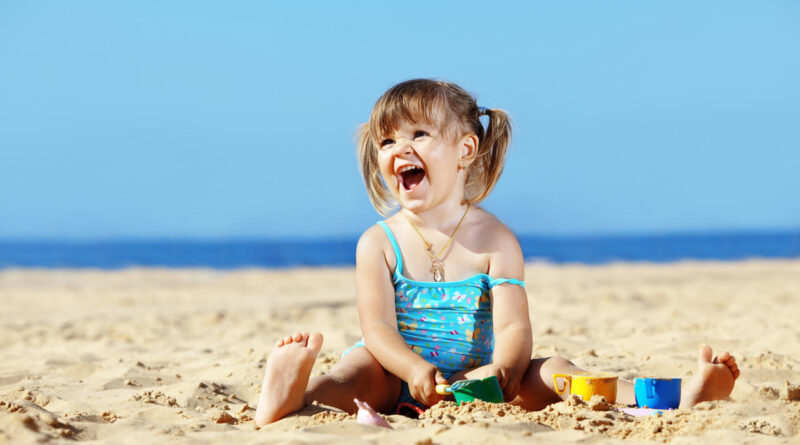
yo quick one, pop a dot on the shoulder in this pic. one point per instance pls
(373, 245)
(495, 236)
(373, 238)
(500, 243)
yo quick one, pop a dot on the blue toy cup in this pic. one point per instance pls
(657, 393)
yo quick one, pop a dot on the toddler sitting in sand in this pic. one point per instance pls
(439, 283)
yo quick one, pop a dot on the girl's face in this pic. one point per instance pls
(421, 167)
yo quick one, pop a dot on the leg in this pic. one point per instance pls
(357, 375)
(713, 380)
(537, 389)
(286, 388)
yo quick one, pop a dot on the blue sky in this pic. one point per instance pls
(236, 119)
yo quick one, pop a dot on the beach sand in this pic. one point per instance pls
(177, 356)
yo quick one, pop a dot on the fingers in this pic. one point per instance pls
(510, 392)
(424, 389)
(420, 394)
(502, 377)
(416, 394)
(430, 395)
(509, 385)
(439, 378)
(428, 392)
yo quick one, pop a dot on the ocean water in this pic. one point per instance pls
(341, 252)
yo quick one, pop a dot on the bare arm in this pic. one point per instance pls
(376, 311)
(513, 339)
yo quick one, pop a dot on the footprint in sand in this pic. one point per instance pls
(142, 376)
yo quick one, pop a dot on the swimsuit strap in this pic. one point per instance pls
(499, 281)
(398, 270)
(397, 255)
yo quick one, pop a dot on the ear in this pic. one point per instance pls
(468, 149)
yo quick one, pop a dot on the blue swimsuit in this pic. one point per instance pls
(448, 323)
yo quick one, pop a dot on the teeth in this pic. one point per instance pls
(407, 168)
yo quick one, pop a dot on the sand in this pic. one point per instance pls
(177, 356)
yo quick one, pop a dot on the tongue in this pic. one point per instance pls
(412, 179)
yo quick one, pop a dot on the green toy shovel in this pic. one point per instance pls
(487, 389)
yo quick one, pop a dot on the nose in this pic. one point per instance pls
(403, 146)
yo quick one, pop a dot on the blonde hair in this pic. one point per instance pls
(454, 112)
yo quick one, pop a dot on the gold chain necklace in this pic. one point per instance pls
(437, 265)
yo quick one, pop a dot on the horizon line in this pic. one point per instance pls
(349, 238)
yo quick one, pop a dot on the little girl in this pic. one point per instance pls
(439, 283)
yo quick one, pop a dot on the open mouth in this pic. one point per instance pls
(410, 177)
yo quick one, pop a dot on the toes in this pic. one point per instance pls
(728, 360)
(315, 341)
(736, 374)
(297, 337)
(704, 354)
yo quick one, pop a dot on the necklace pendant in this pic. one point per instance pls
(437, 269)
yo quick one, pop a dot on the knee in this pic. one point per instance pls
(555, 365)
(357, 379)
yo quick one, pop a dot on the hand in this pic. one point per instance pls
(422, 384)
(509, 382)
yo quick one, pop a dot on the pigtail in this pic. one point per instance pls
(379, 196)
(491, 154)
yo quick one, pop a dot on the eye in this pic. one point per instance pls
(420, 133)
(386, 142)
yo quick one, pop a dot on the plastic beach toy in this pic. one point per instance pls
(587, 384)
(368, 416)
(657, 393)
(487, 389)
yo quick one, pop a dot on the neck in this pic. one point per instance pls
(442, 217)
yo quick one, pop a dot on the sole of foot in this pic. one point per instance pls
(286, 377)
(714, 379)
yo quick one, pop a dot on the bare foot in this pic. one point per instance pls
(713, 380)
(285, 380)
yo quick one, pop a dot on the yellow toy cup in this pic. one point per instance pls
(588, 384)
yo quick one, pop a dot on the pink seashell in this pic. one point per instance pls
(368, 416)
